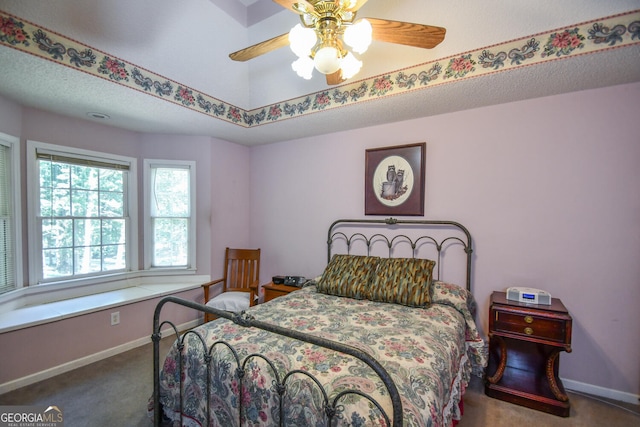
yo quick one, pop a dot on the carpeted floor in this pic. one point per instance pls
(481, 410)
(112, 392)
(115, 391)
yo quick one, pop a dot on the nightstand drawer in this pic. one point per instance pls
(272, 291)
(531, 326)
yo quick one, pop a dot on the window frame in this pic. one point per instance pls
(16, 206)
(33, 203)
(148, 165)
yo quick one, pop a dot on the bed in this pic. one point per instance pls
(379, 339)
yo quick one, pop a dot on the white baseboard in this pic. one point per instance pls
(87, 360)
(606, 393)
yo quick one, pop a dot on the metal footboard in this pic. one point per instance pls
(331, 407)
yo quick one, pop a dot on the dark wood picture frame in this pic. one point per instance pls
(394, 180)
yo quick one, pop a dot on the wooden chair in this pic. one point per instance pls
(239, 284)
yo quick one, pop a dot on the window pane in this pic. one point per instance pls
(84, 177)
(87, 259)
(61, 203)
(57, 233)
(57, 262)
(60, 173)
(170, 241)
(46, 198)
(84, 203)
(111, 180)
(87, 232)
(111, 204)
(113, 231)
(114, 257)
(171, 192)
(45, 174)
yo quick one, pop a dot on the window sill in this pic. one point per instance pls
(33, 315)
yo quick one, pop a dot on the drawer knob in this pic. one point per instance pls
(528, 331)
(528, 319)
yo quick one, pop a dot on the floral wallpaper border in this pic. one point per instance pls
(589, 37)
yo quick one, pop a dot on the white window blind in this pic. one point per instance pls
(7, 232)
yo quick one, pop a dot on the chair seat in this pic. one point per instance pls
(240, 282)
(234, 302)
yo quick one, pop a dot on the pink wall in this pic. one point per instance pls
(32, 350)
(547, 187)
(230, 200)
(10, 117)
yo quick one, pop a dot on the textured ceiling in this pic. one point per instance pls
(187, 43)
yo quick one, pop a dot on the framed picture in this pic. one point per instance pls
(394, 180)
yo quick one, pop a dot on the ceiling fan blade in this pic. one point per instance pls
(418, 35)
(261, 48)
(288, 4)
(335, 78)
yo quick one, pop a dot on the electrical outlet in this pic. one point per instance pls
(115, 318)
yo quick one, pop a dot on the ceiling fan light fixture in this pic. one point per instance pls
(308, 20)
(302, 40)
(327, 60)
(301, 8)
(350, 66)
(303, 66)
(358, 36)
(329, 35)
(348, 4)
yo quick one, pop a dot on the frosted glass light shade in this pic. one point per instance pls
(303, 66)
(358, 36)
(301, 40)
(350, 66)
(327, 60)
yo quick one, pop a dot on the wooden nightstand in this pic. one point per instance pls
(272, 291)
(525, 341)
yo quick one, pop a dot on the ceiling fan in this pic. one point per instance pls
(327, 27)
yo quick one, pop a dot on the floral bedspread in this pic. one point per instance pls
(430, 353)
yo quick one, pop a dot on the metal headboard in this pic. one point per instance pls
(456, 233)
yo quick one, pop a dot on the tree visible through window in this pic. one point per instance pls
(170, 209)
(83, 216)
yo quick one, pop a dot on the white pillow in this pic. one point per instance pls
(231, 301)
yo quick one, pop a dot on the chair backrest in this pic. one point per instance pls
(242, 268)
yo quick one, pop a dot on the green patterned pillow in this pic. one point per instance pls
(348, 275)
(405, 281)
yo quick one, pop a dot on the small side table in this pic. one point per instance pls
(272, 290)
(525, 342)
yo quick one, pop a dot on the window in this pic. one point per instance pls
(170, 201)
(10, 229)
(82, 219)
